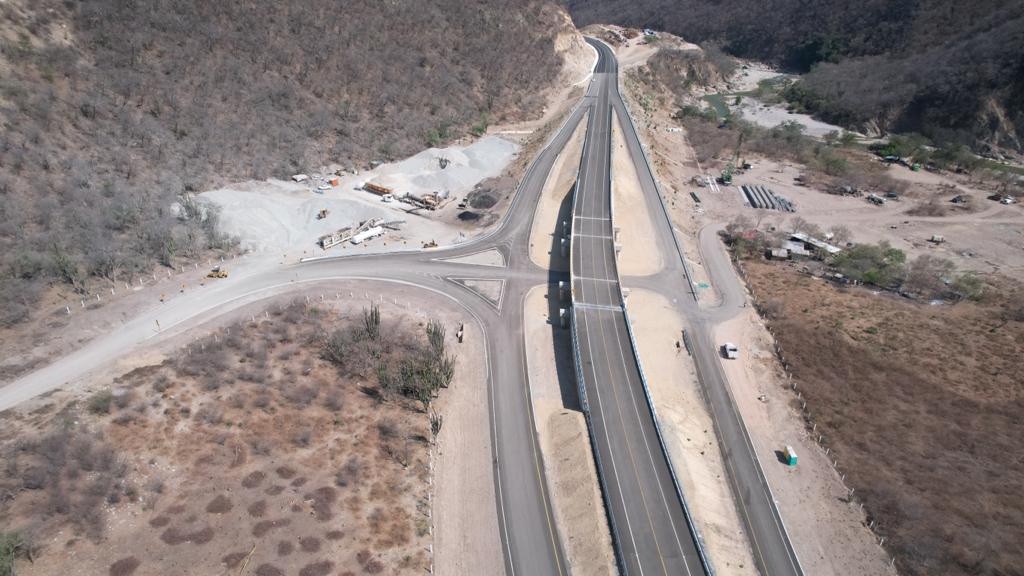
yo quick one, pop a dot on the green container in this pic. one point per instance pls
(790, 455)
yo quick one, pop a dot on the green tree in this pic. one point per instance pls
(967, 286)
(879, 264)
(12, 546)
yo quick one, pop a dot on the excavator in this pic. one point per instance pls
(730, 167)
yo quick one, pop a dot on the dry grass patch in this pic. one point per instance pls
(922, 406)
(310, 423)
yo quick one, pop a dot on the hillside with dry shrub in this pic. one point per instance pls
(953, 71)
(921, 405)
(295, 444)
(113, 109)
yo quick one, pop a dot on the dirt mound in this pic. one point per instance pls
(482, 200)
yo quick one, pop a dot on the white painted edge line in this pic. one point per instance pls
(455, 259)
(592, 66)
(682, 258)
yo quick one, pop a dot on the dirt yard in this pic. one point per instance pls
(689, 431)
(920, 407)
(260, 445)
(986, 237)
(631, 216)
(565, 442)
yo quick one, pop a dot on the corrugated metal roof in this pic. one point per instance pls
(816, 243)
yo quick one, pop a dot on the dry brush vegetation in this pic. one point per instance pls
(953, 71)
(298, 444)
(112, 110)
(921, 405)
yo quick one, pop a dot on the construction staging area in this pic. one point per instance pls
(660, 382)
(362, 232)
(288, 216)
(765, 198)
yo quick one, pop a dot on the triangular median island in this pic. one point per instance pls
(489, 290)
(489, 257)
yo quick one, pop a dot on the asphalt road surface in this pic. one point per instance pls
(652, 534)
(644, 506)
(773, 551)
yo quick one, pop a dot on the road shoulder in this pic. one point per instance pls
(564, 440)
(829, 534)
(688, 431)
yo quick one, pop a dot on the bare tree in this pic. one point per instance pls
(841, 234)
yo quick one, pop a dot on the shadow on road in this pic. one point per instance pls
(556, 263)
(562, 339)
(558, 267)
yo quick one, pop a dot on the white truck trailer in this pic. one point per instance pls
(368, 234)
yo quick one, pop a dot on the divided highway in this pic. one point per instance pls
(651, 529)
(651, 532)
(772, 549)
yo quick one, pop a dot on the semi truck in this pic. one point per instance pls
(377, 189)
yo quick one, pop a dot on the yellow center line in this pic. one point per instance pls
(632, 458)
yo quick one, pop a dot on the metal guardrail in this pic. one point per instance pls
(708, 569)
(689, 278)
(585, 405)
(657, 188)
(647, 392)
(580, 382)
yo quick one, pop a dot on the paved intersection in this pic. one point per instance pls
(531, 540)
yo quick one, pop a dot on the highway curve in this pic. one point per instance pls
(772, 549)
(651, 532)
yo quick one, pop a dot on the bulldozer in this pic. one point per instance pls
(322, 213)
(217, 272)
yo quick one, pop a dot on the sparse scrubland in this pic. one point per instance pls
(949, 70)
(112, 111)
(668, 81)
(297, 444)
(680, 71)
(921, 406)
(925, 277)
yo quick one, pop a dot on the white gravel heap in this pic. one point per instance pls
(280, 215)
(467, 166)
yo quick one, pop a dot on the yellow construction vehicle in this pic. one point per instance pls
(322, 214)
(217, 272)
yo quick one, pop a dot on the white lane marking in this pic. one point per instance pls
(647, 445)
(608, 441)
(598, 307)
